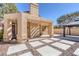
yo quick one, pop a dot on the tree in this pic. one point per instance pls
(70, 16)
(10, 8)
(1, 10)
(7, 8)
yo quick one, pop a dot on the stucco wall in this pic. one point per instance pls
(74, 31)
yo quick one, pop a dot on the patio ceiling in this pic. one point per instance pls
(76, 23)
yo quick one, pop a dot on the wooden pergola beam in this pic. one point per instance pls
(63, 31)
(69, 31)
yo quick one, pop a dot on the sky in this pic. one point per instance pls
(51, 11)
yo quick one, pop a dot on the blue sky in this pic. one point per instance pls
(52, 10)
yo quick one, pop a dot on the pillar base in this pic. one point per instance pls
(6, 40)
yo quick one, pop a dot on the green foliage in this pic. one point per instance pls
(10, 8)
(67, 16)
(57, 27)
(7, 8)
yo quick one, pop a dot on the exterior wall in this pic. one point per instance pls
(52, 30)
(5, 29)
(19, 27)
(9, 18)
(40, 21)
(22, 20)
(74, 31)
(34, 30)
(22, 30)
(58, 31)
(37, 26)
(45, 32)
(24, 26)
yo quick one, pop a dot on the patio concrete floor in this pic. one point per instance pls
(41, 47)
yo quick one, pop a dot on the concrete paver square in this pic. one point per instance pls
(68, 42)
(16, 48)
(61, 45)
(55, 39)
(35, 43)
(35, 39)
(47, 40)
(27, 54)
(76, 52)
(48, 51)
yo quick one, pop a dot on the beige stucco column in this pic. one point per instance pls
(40, 29)
(50, 29)
(28, 30)
(5, 39)
(19, 28)
(24, 28)
(7, 36)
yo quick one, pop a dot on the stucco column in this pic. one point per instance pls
(28, 30)
(5, 37)
(50, 29)
(19, 28)
(24, 28)
(40, 31)
(7, 30)
(69, 30)
(63, 31)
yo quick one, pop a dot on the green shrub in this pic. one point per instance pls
(57, 27)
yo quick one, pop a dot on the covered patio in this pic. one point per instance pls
(69, 25)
